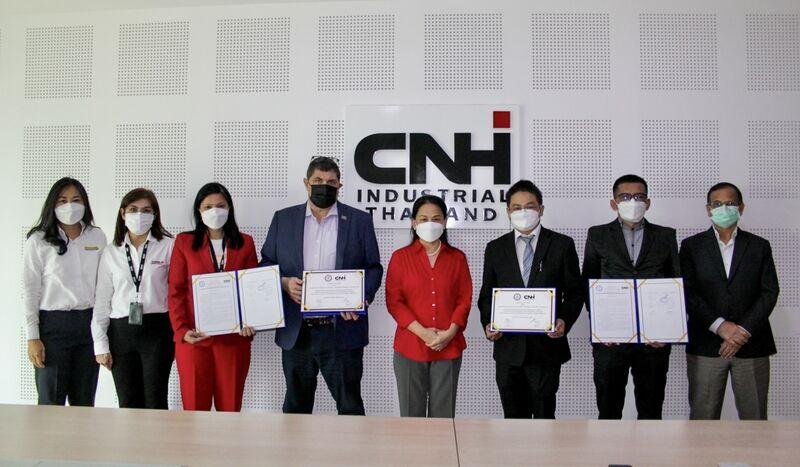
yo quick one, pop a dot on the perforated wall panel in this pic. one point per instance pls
(251, 158)
(153, 59)
(151, 155)
(678, 51)
(356, 53)
(58, 62)
(464, 51)
(773, 52)
(574, 150)
(773, 151)
(52, 152)
(686, 147)
(571, 51)
(252, 55)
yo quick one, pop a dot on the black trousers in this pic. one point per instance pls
(528, 390)
(142, 360)
(649, 367)
(315, 352)
(70, 369)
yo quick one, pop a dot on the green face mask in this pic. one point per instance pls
(725, 216)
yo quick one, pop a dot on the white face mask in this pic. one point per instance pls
(70, 213)
(139, 223)
(215, 218)
(429, 231)
(632, 211)
(524, 219)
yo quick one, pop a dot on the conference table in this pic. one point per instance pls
(99, 436)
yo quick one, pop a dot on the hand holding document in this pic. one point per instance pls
(643, 311)
(523, 310)
(333, 292)
(224, 302)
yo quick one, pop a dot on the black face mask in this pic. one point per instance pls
(323, 196)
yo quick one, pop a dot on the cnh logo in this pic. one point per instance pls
(422, 147)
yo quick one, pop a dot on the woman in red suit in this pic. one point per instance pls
(209, 367)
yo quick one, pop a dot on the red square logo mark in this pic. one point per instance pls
(501, 119)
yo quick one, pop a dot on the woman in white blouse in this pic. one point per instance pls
(60, 261)
(130, 327)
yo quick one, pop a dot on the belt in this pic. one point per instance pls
(317, 322)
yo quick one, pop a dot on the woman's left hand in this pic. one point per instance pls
(247, 331)
(443, 338)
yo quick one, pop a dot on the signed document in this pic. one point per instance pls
(638, 311)
(662, 311)
(333, 292)
(523, 310)
(224, 302)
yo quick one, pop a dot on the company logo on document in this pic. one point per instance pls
(466, 154)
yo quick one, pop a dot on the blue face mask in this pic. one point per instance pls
(725, 216)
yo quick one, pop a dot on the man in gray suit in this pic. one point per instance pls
(629, 247)
(731, 289)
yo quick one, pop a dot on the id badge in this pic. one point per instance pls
(135, 313)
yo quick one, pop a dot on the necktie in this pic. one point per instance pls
(527, 259)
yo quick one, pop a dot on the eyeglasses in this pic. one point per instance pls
(627, 197)
(719, 204)
(134, 210)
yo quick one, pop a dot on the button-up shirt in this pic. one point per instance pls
(319, 240)
(726, 250)
(633, 239)
(435, 297)
(59, 282)
(116, 289)
(522, 244)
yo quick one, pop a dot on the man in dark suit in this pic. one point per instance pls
(528, 366)
(731, 289)
(629, 247)
(322, 234)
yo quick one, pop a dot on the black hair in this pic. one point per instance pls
(323, 164)
(630, 178)
(524, 186)
(429, 199)
(48, 222)
(230, 229)
(157, 230)
(720, 186)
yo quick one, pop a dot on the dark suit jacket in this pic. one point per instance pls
(356, 248)
(555, 264)
(606, 256)
(746, 298)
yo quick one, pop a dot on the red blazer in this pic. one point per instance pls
(434, 297)
(184, 263)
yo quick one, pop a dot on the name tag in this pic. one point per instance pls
(91, 248)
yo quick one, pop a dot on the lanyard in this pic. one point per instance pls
(137, 279)
(218, 267)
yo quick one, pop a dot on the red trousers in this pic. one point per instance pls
(213, 369)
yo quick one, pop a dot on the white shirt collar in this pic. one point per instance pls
(64, 234)
(733, 236)
(150, 238)
(334, 210)
(535, 233)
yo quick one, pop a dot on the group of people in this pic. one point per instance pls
(128, 306)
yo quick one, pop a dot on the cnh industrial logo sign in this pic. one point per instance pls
(467, 154)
